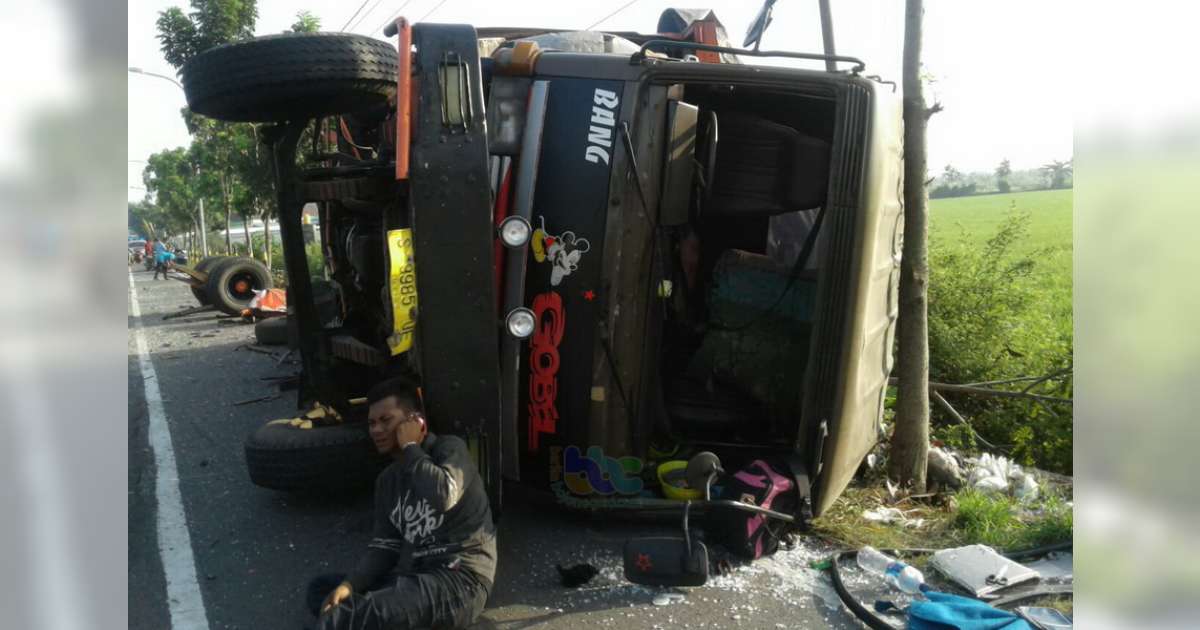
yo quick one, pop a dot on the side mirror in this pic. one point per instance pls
(666, 561)
(759, 25)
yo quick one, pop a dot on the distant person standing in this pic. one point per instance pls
(162, 259)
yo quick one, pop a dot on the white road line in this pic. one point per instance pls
(174, 541)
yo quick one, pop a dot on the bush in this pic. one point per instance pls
(987, 322)
(315, 258)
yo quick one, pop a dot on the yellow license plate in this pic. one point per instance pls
(403, 283)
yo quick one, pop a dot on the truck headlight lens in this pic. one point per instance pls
(515, 231)
(520, 322)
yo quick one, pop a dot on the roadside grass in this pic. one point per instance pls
(963, 518)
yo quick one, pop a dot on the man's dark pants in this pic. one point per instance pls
(438, 599)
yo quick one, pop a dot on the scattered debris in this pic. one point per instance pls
(990, 473)
(979, 569)
(1057, 566)
(666, 599)
(943, 468)
(256, 400)
(891, 515)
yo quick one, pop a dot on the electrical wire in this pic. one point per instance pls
(435, 8)
(610, 15)
(394, 16)
(356, 12)
(367, 14)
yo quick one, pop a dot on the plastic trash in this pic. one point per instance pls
(896, 573)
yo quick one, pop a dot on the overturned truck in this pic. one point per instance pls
(596, 252)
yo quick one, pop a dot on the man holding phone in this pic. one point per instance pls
(432, 556)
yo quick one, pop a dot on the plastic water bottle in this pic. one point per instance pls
(898, 574)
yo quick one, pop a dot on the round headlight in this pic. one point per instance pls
(520, 322)
(515, 231)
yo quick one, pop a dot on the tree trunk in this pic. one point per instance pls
(225, 208)
(910, 439)
(266, 215)
(246, 214)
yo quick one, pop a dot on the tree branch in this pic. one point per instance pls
(941, 402)
(937, 107)
(982, 391)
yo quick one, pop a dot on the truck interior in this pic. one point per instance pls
(745, 179)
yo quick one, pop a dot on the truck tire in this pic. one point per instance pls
(293, 76)
(336, 458)
(272, 331)
(206, 264)
(232, 282)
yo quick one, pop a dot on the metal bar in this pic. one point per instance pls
(190, 311)
(403, 94)
(300, 296)
(637, 57)
(827, 36)
(516, 261)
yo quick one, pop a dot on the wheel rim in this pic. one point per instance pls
(241, 286)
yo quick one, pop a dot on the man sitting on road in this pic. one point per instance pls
(432, 556)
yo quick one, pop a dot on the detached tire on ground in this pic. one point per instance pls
(294, 76)
(205, 265)
(272, 331)
(232, 282)
(321, 459)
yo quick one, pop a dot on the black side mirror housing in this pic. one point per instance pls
(666, 561)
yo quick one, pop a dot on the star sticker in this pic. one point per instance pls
(643, 562)
(589, 295)
(549, 240)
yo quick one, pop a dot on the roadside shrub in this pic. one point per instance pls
(988, 321)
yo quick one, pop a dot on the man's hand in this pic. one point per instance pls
(410, 429)
(337, 596)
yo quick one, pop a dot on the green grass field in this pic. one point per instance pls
(975, 219)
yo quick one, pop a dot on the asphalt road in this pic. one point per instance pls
(255, 549)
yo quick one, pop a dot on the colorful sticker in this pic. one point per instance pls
(596, 473)
(543, 366)
(563, 251)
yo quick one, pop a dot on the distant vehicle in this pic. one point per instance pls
(137, 251)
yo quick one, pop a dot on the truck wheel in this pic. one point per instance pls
(204, 265)
(321, 459)
(293, 76)
(232, 282)
(272, 331)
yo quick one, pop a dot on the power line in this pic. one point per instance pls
(610, 15)
(368, 13)
(360, 8)
(394, 16)
(439, 5)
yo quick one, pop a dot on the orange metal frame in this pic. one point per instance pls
(404, 94)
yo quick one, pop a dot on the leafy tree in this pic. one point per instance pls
(952, 184)
(306, 23)
(1057, 173)
(1003, 172)
(169, 176)
(210, 23)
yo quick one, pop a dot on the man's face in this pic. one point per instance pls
(386, 420)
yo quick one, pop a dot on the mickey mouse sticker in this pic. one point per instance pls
(562, 251)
